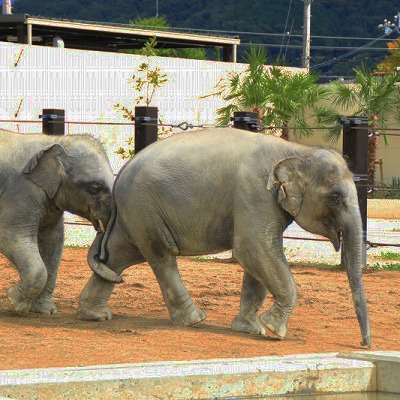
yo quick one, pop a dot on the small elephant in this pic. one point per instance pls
(218, 189)
(41, 177)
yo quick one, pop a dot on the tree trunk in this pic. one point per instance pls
(285, 131)
(373, 144)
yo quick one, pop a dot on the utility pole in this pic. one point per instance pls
(306, 34)
(7, 7)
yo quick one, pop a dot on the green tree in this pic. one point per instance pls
(374, 96)
(282, 98)
(392, 61)
(293, 97)
(160, 23)
(144, 83)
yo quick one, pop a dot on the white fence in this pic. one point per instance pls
(87, 84)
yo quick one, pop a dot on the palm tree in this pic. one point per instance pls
(293, 96)
(280, 97)
(375, 96)
(243, 90)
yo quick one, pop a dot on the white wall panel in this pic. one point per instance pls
(87, 84)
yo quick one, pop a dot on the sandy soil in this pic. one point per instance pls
(323, 320)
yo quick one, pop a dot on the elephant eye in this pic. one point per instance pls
(94, 188)
(334, 199)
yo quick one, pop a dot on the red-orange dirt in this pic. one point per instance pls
(141, 331)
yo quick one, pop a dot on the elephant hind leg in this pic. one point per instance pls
(93, 301)
(183, 311)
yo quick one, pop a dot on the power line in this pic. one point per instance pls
(287, 44)
(286, 23)
(287, 34)
(298, 46)
(349, 54)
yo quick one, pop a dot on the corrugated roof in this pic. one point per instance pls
(101, 36)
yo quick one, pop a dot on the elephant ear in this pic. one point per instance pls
(289, 175)
(46, 168)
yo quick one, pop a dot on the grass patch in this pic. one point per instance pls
(389, 255)
(380, 266)
(201, 258)
(76, 246)
(315, 264)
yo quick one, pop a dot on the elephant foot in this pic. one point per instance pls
(94, 314)
(44, 305)
(190, 317)
(274, 323)
(244, 324)
(18, 301)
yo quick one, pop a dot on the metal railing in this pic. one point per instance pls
(150, 123)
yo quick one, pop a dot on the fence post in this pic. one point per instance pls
(146, 128)
(246, 120)
(53, 121)
(355, 150)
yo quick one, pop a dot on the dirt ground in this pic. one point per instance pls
(141, 331)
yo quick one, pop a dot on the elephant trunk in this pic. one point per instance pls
(97, 266)
(352, 251)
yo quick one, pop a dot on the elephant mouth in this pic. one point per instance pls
(336, 240)
(333, 234)
(98, 225)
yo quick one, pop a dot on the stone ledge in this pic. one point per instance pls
(387, 368)
(263, 376)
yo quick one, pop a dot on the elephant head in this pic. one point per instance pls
(76, 176)
(318, 190)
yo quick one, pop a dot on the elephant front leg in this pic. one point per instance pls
(252, 298)
(281, 285)
(181, 307)
(51, 242)
(266, 262)
(33, 277)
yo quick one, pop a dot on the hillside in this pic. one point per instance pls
(268, 18)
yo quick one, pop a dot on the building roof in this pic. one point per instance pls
(22, 28)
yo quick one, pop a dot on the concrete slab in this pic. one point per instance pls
(387, 368)
(263, 376)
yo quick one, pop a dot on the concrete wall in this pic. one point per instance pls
(87, 84)
(388, 153)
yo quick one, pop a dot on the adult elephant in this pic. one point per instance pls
(218, 189)
(40, 178)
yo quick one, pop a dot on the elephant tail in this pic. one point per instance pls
(98, 267)
(103, 256)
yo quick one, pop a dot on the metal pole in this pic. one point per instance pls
(229, 53)
(29, 34)
(246, 120)
(53, 121)
(306, 34)
(146, 128)
(355, 150)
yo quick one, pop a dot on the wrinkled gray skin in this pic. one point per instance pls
(40, 178)
(217, 189)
